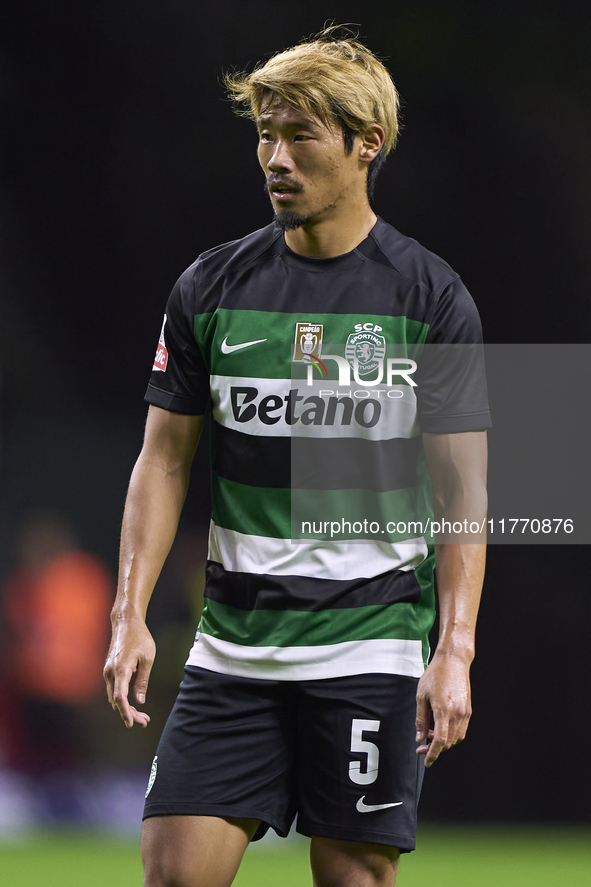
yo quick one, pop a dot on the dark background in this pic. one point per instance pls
(122, 161)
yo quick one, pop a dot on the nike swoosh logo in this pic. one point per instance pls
(369, 808)
(227, 349)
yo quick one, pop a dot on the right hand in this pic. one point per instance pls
(132, 651)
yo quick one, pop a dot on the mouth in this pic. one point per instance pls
(282, 191)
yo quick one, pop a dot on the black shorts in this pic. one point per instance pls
(338, 752)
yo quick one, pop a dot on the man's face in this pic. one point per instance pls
(309, 176)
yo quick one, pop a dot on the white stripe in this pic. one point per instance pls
(242, 553)
(398, 416)
(384, 656)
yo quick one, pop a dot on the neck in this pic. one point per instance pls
(330, 237)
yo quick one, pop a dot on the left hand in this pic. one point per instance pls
(443, 697)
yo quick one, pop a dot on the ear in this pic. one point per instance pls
(371, 142)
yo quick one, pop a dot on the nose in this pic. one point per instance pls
(280, 159)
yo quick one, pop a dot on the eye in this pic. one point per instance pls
(301, 138)
(265, 137)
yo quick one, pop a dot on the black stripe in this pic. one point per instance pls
(272, 286)
(394, 274)
(314, 463)
(248, 591)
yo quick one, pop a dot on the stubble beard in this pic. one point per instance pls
(289, 221)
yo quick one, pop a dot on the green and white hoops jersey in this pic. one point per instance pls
(318, 566)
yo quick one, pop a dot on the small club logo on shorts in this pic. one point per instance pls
(152, 778)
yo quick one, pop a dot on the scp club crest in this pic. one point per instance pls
(367, 347)
(308, 340)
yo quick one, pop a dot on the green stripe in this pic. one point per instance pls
(252, 510)
(279, 513)
(273, 359)
(291, 628)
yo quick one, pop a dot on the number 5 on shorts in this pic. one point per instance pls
(359, 745)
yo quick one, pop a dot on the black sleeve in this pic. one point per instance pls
(451, 389)
(180, 377)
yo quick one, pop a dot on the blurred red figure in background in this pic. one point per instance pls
(55, 609)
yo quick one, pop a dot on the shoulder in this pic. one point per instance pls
(410, 259)
(450, 311)
(232, 256)
(196, 292)
(227, 258)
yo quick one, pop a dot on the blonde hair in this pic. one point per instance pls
(332, 79)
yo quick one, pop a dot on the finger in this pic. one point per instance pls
(460, 733)
(458, 727)
(108, 676)
(140, 687)
(455, 735)
(139, 717)
(424, 748)
(120, 693)
(465, 721)
(423, 719)
(440, 740)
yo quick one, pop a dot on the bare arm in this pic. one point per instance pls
(156, 494)
(457, 465)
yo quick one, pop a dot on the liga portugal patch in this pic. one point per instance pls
(161, 359)
(308, 340)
